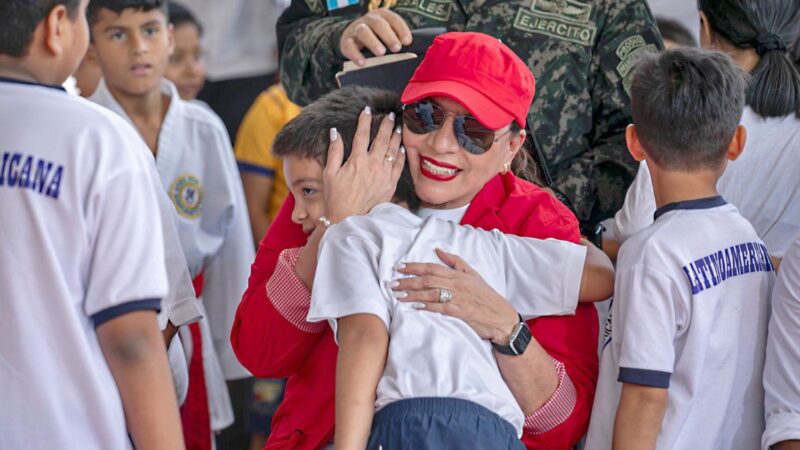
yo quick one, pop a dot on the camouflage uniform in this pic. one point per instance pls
(581, 52)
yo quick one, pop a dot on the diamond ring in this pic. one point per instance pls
(445, 295)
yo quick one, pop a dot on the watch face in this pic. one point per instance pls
(520, 339)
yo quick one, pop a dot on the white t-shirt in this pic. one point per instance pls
(763, 184)
(782, 367)
(80, 244)
(690, 314)
(239, 36)
(430, 354)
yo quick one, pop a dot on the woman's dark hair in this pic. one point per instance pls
(179, 15)
(523, 165)
(769, 27)
(673, 31)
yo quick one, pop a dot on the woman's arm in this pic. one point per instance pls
(597, 283)
(363, 344)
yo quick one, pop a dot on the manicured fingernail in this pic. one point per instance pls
(400, 294)
(367, 110)
(418, 305)
(402, 150)
(396, 47)
(391, 116)
(381, 50)
(392, 284)
(334, 134)
(361, 62)
(400, 265)
(398, 129)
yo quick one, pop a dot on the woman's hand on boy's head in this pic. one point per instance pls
(369, 176)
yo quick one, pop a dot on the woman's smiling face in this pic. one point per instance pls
(447, 176)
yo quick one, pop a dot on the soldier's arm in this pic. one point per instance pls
(308, 39)
(594, 184)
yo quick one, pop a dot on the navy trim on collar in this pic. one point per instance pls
(31, 83)
(700, 203)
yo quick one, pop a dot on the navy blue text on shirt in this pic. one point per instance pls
(733, 261)
(29, 172)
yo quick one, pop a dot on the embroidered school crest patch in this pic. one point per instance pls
(569, 20)
(187, 195)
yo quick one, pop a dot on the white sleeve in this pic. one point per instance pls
(179, 306)
(347, 281)
(648, 309)
(782, 366)
(637, 210)
(126, 269)
(225, 275)
(543, 277)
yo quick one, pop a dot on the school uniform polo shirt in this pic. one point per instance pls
(690, 315)
(80, 245)
(431, 354)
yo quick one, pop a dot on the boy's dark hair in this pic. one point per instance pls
(120, 5)
(308, 134)
(686, 104)
(675, 32)
(769, 27)
(179, 15)
(19, 18)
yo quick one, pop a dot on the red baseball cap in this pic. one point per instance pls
(479, 72)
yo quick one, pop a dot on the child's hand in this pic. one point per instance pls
(369, 176)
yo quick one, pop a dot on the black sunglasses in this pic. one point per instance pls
(425, 116)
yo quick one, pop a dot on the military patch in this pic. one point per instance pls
(629, 52)
(187, 195)
(375, 4)
(569, 20)
(333, 5)
(316, 6)
(434, 9)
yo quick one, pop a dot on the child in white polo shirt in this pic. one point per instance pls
(82, 363)
(682, 363)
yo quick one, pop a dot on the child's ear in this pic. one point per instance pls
(171, 35)
(54, 28)
(737, 144)
(634, 146)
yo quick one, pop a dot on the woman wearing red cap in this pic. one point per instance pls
(464, 117)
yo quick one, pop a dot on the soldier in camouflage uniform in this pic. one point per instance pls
(581, 52)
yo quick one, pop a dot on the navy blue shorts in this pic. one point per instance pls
(440, 424)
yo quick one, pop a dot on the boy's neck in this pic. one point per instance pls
(670, 186)
(147, 111)
(23, 73)
(148, 106)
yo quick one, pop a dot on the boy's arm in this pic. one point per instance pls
(597, 282)
(135, 352)
(363, 344)
(639, 416)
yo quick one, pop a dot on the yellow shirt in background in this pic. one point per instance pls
(269, 113)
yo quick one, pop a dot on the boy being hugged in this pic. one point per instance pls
(78, 205)
(132, 41)
(681, 366)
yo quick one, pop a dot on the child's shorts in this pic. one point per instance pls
(440, 424)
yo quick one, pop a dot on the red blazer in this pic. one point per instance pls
(271, 347)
